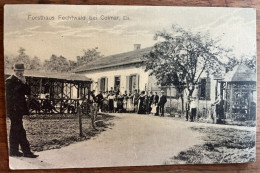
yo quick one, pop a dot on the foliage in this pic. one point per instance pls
(57, 64)
(89, 55)
(23, 58)
(8, 62)
(30, 64)
(180, 57)
(249, 61)
(35, 64)
(72, 65)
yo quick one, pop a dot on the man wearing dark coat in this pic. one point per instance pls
(161, 103)
(16, 107)
(151, 101)
(100, 99)
(156, 98)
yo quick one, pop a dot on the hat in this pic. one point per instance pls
(162, 91)
(19, 67)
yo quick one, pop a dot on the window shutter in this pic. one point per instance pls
(127, 84)
(106, 85)
(208, 89)
(99, 84)
(137, 82)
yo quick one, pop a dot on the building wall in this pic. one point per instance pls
(203, 105)
(123, 72)
(149, 83)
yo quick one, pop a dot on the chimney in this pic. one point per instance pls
(137, 46)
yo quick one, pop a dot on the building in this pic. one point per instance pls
(239, 91)
(121, 72)
(124, 72)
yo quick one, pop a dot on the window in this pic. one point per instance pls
(132, 83)
(103, 84)
(204, 89)
(117, 83)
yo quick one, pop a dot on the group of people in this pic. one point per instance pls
(141, 103)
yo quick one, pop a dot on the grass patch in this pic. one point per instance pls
(47, 132)
(222, 145)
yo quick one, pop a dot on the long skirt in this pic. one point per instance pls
(141, 108)
(111, 105)
(124, 104)
(130, 105)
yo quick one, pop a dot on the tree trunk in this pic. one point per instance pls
(182, 104)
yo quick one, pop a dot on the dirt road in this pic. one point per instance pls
(133, 140)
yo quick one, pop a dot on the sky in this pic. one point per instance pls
(23, 28)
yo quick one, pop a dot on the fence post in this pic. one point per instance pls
(80, 121)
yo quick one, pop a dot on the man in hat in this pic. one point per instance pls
(161, 103)
(100, 99)
(16, 106)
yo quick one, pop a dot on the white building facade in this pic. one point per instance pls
(125, 72)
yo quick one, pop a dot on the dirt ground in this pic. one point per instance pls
(133, 140)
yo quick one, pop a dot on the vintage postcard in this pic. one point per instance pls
(108, 86)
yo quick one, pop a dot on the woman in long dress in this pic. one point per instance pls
(130, 103)
(115, 103)
(125, 101)
(141, 103)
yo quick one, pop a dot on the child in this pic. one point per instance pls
(153, 111)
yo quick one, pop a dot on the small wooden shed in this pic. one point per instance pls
(63, 91)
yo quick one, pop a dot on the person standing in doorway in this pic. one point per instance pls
(16, 106)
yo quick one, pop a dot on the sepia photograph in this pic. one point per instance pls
(109, 86)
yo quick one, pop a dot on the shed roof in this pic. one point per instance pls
(114, 60)
(52, 75)
(240, 73)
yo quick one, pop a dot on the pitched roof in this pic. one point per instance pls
(114, 60)
(240, 73)
(52, 75)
